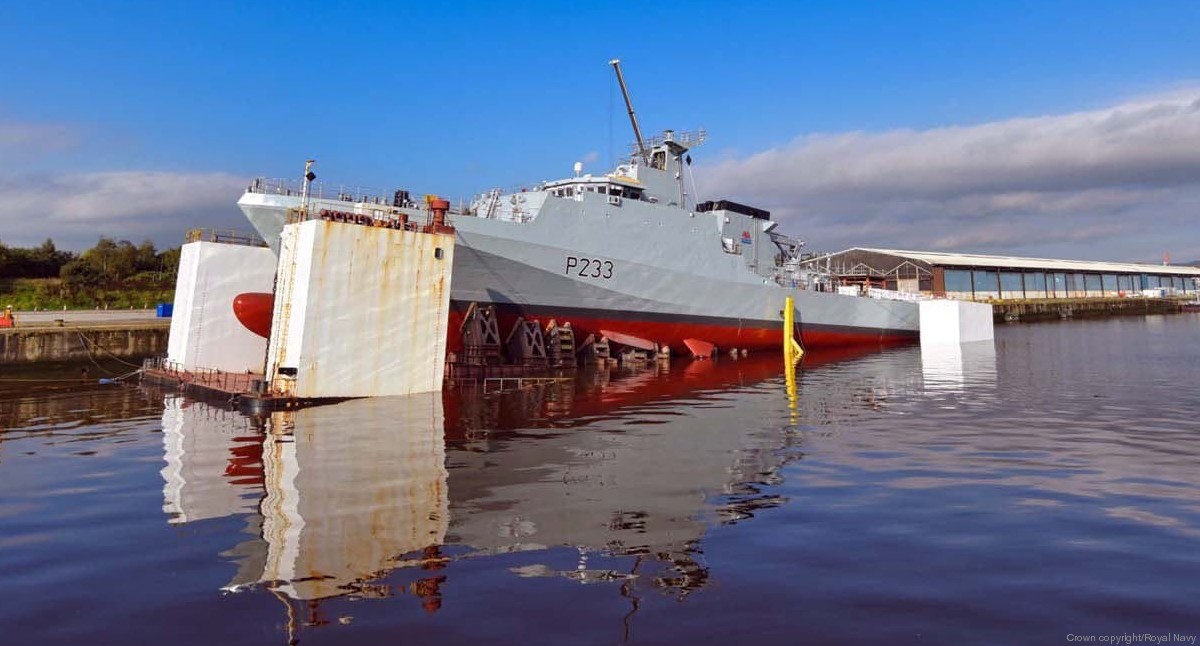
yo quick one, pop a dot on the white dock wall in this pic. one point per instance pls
(955, 322)
(204, 331)
(360, 311)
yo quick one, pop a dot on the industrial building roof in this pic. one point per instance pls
(1013, 262)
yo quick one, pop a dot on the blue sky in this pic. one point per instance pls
(138, 119)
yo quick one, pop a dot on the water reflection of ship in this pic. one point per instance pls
(637, 465)
(603, 393)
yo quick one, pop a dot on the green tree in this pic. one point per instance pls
(169, 263)
(102, 256)
(126, 260)
(114, 260)
(81, 275)
(46, 261)
(147, 257)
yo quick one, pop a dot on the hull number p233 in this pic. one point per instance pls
(589, 267)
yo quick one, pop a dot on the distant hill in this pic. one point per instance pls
(1194, 263)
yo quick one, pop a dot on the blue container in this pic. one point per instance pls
(165, 310)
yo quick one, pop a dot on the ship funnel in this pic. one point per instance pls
(578, 168)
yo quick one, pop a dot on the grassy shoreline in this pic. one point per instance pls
(26, 294)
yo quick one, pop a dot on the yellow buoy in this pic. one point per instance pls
(792, 352)
(791, 348)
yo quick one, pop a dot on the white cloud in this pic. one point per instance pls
(590, 158)
(1121, 182)
(35, 138)
(76, 209)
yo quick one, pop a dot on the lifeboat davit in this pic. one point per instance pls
(254, 311)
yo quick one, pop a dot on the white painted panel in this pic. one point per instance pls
(185, 291)
(361, 310)
(954, 322)
(291, 298)
(204, 331)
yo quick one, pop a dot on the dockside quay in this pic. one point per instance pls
(995, 278)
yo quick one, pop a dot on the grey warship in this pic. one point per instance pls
(629, 254)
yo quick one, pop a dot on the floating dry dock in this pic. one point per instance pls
(359, 310)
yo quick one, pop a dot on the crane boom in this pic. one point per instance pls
(637, 132)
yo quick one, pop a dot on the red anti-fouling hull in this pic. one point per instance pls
(254, 311)
(674, 331)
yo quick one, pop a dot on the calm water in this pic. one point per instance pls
(1043, 488)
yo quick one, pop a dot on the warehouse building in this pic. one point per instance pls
(979, 277)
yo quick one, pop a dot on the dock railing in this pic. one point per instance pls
(211, 378)
(224, 236)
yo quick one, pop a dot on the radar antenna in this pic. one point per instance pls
(637, 132)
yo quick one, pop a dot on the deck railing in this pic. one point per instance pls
(316, 190)
(355, 194)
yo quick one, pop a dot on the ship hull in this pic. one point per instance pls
(664, 311)
(674, 331)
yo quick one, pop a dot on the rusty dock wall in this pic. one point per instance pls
(1069, 308)
(134, 340)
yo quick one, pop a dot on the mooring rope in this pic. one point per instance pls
(102, 349)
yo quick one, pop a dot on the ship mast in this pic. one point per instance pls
(637, 132)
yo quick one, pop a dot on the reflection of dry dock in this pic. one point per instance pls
(383, 496)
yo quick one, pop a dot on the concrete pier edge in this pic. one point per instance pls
(37, 344)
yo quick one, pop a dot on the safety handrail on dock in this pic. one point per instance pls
(224, 236)
(229, 382)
